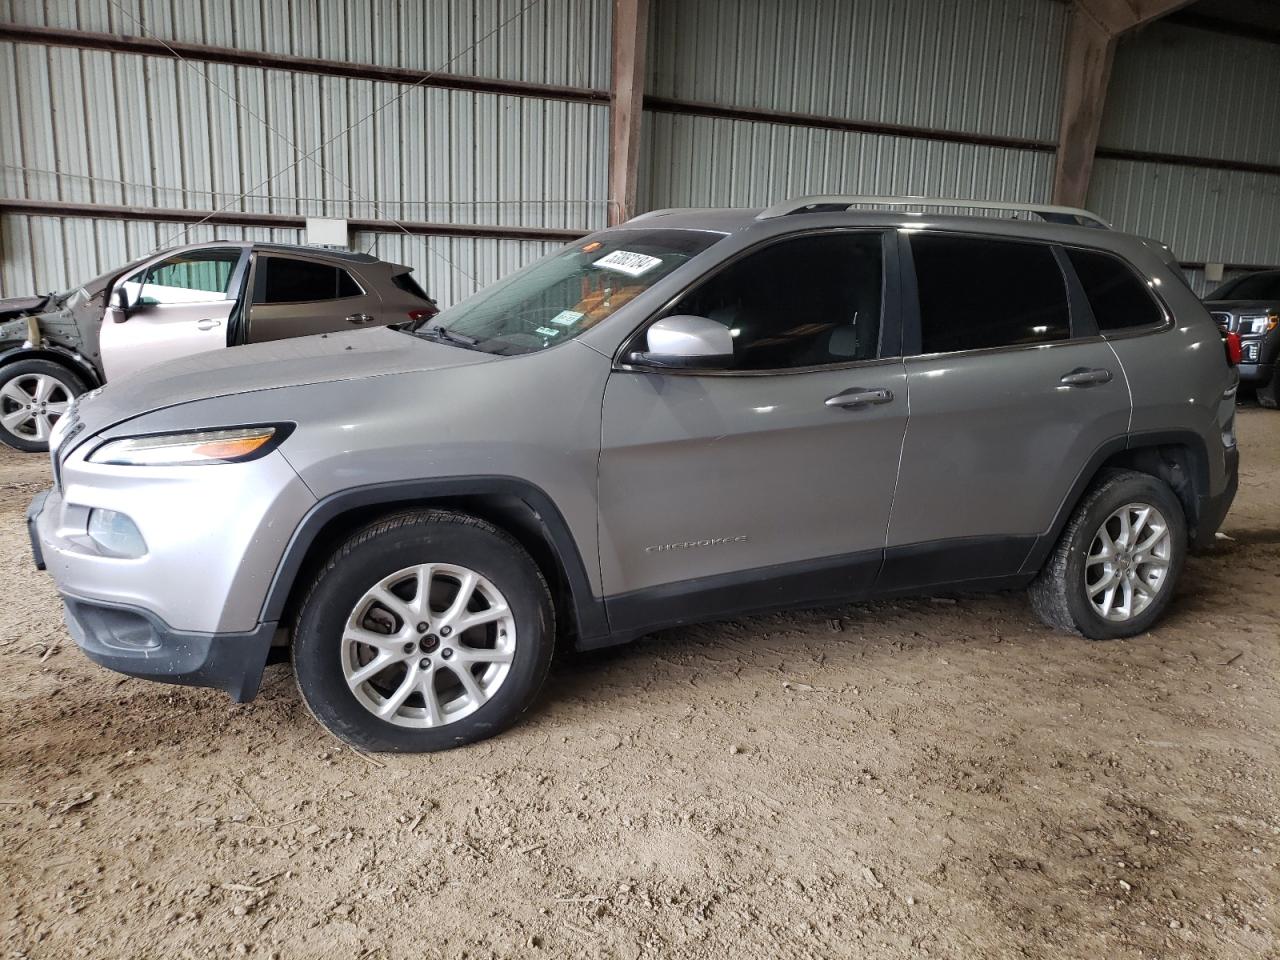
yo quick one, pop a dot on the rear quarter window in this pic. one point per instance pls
(1118, 297)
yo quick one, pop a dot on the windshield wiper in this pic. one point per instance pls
(444, 335)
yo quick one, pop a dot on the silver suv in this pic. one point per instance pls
(697, 414)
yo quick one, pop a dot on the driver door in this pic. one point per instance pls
(768, 482)
(179, 306)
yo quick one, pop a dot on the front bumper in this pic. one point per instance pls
(136, 642)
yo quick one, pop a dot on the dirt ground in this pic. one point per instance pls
(931, 778)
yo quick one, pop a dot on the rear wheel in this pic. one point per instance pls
(424, 631)
(34, 394)
(1113, 571)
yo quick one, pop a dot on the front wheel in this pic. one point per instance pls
(1269, 393)
(1113, 571)
(424, 631)
(34, 394)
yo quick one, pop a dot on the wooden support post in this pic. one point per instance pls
(1094, 28)
(626, 102)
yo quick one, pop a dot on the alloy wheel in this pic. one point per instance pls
(30, 404)
(428, 645)
(1128, 562)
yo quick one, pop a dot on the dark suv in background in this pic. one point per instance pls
(1250, 306)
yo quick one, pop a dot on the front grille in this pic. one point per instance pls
(1223, 320)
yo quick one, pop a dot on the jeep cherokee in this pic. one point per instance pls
(693, 415)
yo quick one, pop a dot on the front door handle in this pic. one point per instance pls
(856, 397)
(207, 324)
(1085, 376)
(360, 318)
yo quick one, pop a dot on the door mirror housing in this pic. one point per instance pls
(686, 341)
(120, 300)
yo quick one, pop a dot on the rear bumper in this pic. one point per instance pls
(138, 643)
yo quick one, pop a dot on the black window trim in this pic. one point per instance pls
(889, 346)
(1124, 333)
(273, 255)
(1081, 328)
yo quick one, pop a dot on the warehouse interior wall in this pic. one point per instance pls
(746, 102)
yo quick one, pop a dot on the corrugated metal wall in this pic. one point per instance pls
(564, 41)
(705, 161)
(91, 126)
(971, 68)
(1192, 92)
(978, 66)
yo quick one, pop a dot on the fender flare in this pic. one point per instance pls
(1193, 441)
(593, 625)
(78, 364)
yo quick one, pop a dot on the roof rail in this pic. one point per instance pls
(827, 203)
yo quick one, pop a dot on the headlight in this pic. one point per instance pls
(230, 445)
(1255, 325)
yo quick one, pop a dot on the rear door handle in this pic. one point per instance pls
(1085, 376)
(856, 397)
(360, 318)
(207, 324)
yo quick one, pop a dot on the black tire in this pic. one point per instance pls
(22, 436)
(1058, 594)
(1269, 393)
(380, 550)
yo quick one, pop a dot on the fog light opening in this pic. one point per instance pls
(115, 534)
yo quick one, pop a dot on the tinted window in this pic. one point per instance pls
(195, 277)
(1255, 286)
(410, 286)
(977, 293)
(802, 302)
(1118, 298)
(284, 280)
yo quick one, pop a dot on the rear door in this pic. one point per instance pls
(1012, 392)
(766, 482)
(295, 296)
(181, 306)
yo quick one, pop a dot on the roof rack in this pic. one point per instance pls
(830, 203)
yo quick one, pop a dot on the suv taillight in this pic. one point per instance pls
(1232, 343)
(419, 315)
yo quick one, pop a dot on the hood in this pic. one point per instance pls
(351, 355)
(15, 307)
(1244, 306)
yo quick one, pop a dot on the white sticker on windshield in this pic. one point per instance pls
(566, 318)
(624, 261)
(547, 332)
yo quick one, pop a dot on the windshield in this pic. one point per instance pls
(1256, 286)
(559, 297)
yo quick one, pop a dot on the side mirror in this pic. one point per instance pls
(686, 341)
(120, 300)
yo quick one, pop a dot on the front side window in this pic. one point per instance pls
(803, 302)
(196, 277)
(977, 293)
(1118, 298)
(285, 280)
(559, 297)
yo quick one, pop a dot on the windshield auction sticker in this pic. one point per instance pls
(624, 261)
(566, 318)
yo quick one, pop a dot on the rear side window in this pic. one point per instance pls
(410, 286)
(284, 280)
(1119, 299)
(977, 293)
